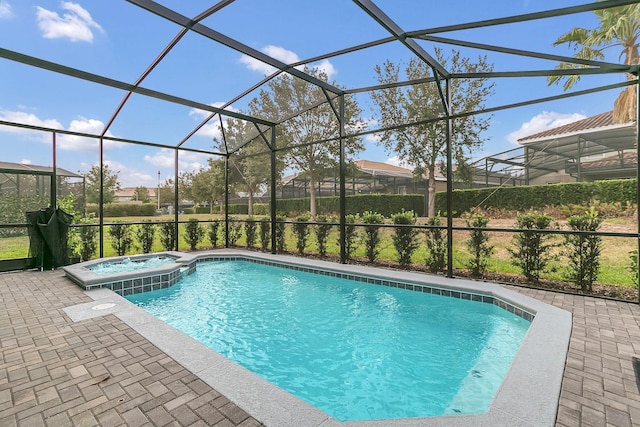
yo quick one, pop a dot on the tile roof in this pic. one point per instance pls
(590, 123)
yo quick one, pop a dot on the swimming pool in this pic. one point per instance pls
(528, 395)
(355, 350)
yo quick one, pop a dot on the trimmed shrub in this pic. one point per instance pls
(436, 242)
(193, 234)
(265, 234)
(583, 250)
(88, 239)
(280, 233)
(235, 231)
(168, 236)
(478, 244)
(322, 230)
(633, 266)
(532, 251)
(145, 233)
(301, 231)
(214, 227)
(351, 235)
(121, 238)
(405, 238)
(371, 236)
(250, 232)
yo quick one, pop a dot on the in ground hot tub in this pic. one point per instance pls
(126, 275)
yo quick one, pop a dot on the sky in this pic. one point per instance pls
(119, 40)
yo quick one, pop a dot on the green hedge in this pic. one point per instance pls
(124, 209)
(233, 210)
(386, 204)
(527, 197)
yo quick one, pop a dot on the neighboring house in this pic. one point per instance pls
(591, 149)
(127, 194)
(364, 177)
(377, 177)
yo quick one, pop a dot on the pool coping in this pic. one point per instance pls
(528, 396)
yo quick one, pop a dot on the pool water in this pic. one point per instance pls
(128, 264)
(356, 351)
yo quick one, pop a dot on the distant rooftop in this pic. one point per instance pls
(599, 122)
(23, 168)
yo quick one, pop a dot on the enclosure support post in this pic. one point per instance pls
(526, 166)
(343, 201)
(226, 201)
(637, 176)
(54, 178)
(273, 190)
(449, 184)
(176, 202)
(101, 198)
(578, 159)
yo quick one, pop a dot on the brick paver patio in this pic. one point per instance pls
(54, 372)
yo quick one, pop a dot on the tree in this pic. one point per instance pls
(424, 145)
(141, 194)
(251, 171)
(208, 184)
(287, 95)
(618, 27)
(185, 186)
(166, 193)
(110, 184)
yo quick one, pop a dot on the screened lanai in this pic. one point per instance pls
(204, 89)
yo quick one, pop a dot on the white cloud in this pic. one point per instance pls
(187, 161)
(369, 124)
(25, 161)
(326, 67)
(131, 177)
(81, 143)
(397, 162)
(63, 142)
(28, 119)
(75, 24)
(286, 56)
(212, 128)
(541, 122)
(5, 10)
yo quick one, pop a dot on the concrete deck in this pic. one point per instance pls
(56, 372)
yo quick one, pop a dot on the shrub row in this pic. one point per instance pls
(123, 209)
(527, 197)
(385, 204)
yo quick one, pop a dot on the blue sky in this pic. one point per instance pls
(119, 40)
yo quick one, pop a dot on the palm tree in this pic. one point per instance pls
(619, 27)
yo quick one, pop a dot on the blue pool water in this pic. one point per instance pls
(356, 351)
(128, 264)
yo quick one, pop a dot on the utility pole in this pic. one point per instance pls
(158, 190)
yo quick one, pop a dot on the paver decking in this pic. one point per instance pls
(55, 372)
